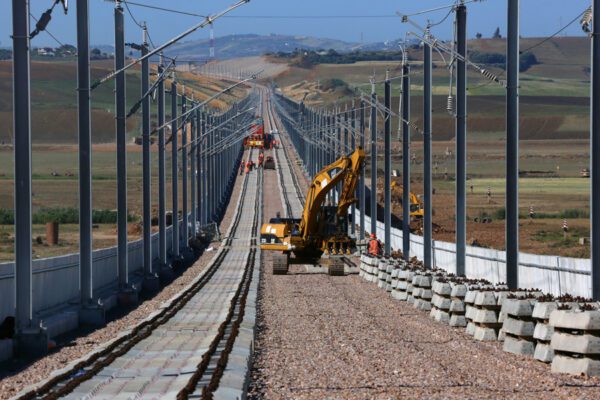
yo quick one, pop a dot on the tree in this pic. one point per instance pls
(526, 61)
(497, 34)
(478, 35)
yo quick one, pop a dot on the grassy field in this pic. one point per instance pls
(54, 101)
(62, 192)
(54, 153)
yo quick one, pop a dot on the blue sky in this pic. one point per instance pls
(538, 18)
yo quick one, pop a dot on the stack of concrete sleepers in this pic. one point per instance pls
(576, 340)
(410, 298)
(518, 324)
(469, 301)
(363, 265)
(486, 313)
(543, 331)
(391, 267)
(405, 275)
(457, 305)
(382, 273)
(422, 292)
(370, 268)
(441, 300)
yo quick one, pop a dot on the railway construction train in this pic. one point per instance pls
(321, 235)
(257, 138)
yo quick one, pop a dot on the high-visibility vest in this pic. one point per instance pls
(374, 248)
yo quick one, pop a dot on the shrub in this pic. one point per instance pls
(333, 83)
(500, 214)
(63, 216)
(7, 217)
(574, 213)
(526, 61)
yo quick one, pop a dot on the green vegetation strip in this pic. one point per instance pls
(63, 216)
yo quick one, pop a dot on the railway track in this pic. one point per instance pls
(180, 351)
(292, 196)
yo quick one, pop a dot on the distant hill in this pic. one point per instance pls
(234, 46)
(555, 51)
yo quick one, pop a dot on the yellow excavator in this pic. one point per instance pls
(416, 209)
(321, 235)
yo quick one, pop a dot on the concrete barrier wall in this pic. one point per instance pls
(551, 274)
(56, 279)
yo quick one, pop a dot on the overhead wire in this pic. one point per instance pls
(171, 10)
(48, 32)
(141, 26)
(135, 21)
(555, 33)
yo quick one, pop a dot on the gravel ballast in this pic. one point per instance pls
(322, 337)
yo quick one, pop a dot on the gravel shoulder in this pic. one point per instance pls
(322, 337)
(13, 377)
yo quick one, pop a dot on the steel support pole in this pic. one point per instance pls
(512, 146)
(595, 153)
(22, 149)
(192, 153)
(85, 153)
(387, 168)
(202, 147)
(197, 149)
(162, 184)
(461, 140)
(339, 153)
(121, 130)
(405, 161)
(373, 160)
(329, 146)
(174, 173)
(361, 185)
(427, 187)
(353, 147)
(211, 170)
(146, 172)
(184, 172)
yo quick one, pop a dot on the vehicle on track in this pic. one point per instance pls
(269, 163)
(321, 235)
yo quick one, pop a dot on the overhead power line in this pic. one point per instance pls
(555, 33)
(311, 16)
(192, 14)
(48, 32)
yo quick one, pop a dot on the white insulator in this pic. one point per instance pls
(450, 104)
(586, 20)
(488, 75)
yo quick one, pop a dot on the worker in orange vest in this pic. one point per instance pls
(261, 156)
(374, 246)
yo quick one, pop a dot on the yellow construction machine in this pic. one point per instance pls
(321, 235)
(416, 209)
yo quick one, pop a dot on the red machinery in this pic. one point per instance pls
(257, 137)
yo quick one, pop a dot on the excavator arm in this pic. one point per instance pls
(346, 170)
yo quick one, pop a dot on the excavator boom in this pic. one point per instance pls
(347, 170)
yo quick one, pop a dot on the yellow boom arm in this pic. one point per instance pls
(346, 169)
